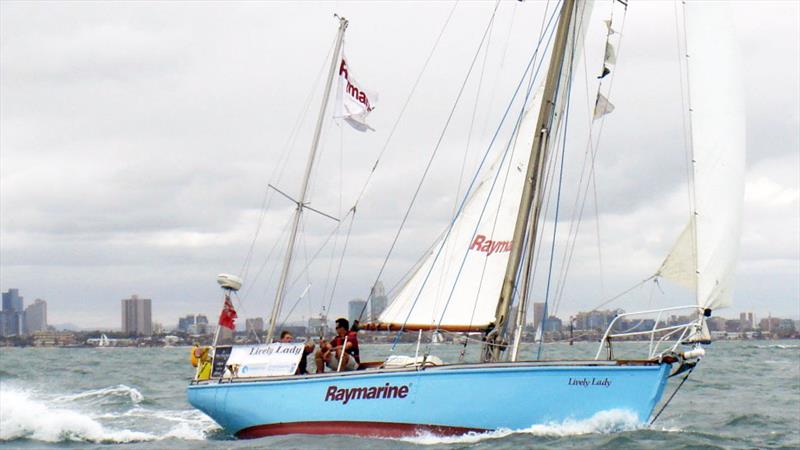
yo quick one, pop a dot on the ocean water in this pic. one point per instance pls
(744, 394)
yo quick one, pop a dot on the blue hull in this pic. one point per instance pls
(445, 400)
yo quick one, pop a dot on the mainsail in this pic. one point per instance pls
(704, 257)
(444, 294)
(458, 285)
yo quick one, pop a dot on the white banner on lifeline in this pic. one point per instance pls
(265, 360)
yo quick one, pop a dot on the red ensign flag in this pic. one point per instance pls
(228, 314)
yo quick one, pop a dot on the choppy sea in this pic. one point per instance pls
(744, 394)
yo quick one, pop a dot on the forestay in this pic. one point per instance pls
(705, 255)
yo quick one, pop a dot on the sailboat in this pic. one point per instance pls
(475, 280)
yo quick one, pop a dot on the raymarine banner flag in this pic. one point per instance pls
(353, 102)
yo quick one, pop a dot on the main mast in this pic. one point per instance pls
(298, 212)
(533, 182)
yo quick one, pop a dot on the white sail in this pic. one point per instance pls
(483, 247)
(718, 145)
(459, 289)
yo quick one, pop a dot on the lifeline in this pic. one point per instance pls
(345, 395)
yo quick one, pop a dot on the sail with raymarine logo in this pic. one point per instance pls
(475, 283)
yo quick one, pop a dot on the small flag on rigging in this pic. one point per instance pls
(602, 106)
(353, 102)
(228, 314)
(608, 26)
(611, 54)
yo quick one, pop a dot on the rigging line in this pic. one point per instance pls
(513, 146)
(466, 156)
(408, 100)
(341, 259)
(547, 194)
(480, 166)
(281, 166)
(593, 153)
(405, 278)
(319, 250)
(546, 188)
(241, 308)
(512, 138)
(436, 147)
(515, 139)
(580, 182)
(623, 293)
(302, 296)
(492, 95)
(304, 242)
(691, 149)
(339, 213)
(284, 229)
(472, 121)
(567, 97)
(686, 123)
(593, 179)
(673, 395)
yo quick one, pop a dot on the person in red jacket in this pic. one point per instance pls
(341, 351)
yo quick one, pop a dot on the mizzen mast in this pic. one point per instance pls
(301, 203)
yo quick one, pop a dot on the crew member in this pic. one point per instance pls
(308, 348)
(204, 360)
(342, 348)
(194, 355)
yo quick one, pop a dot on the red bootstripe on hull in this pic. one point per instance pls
(365, 429)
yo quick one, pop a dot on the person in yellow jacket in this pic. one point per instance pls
(200, 356)
(193, 356)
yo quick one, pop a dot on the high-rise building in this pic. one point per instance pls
(747, 322)
(12, 301)
(354, 309)
(184, 323)
(538, 313)
(552, 325)
(255, 325)
(378, 301)
(12, 315)
(318, 326)
(137, 316)
(36, 316)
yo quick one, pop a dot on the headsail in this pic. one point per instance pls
(718, 145)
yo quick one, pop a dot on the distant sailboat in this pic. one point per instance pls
(468, 282)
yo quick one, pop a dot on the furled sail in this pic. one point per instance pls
(718, 145)
(442, 293)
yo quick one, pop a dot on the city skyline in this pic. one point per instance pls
(190, 321)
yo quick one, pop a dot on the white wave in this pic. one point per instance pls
(604, 422)
(186, 432)
(779, 346)
(22, 416)
(99, 395)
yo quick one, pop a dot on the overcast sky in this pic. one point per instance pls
(137, 140)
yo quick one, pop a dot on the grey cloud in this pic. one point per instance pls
(137, 141)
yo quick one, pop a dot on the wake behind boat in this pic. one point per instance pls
(475, 280)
